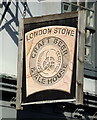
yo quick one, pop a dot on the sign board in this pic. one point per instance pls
(47, 59)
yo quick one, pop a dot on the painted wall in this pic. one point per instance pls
(90, 85)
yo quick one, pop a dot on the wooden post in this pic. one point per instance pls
(20, 65)
(80, 56)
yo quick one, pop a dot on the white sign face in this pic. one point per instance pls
(49, 58)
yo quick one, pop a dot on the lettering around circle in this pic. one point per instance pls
(49, 60)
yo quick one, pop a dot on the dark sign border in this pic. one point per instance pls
(28, 24)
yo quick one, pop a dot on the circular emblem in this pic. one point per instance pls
(49, 60)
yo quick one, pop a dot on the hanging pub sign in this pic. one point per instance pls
(47, 61)
(49, 58)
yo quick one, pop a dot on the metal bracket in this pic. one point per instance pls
(13, 102)
(78, 113)
(95, 116)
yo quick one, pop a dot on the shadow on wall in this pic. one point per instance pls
(14, 18)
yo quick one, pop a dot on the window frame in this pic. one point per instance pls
(90, 68)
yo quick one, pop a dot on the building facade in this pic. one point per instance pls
(10, 14)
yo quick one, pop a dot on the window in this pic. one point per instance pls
(90, 69)
(68, 6)
(90, 40)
